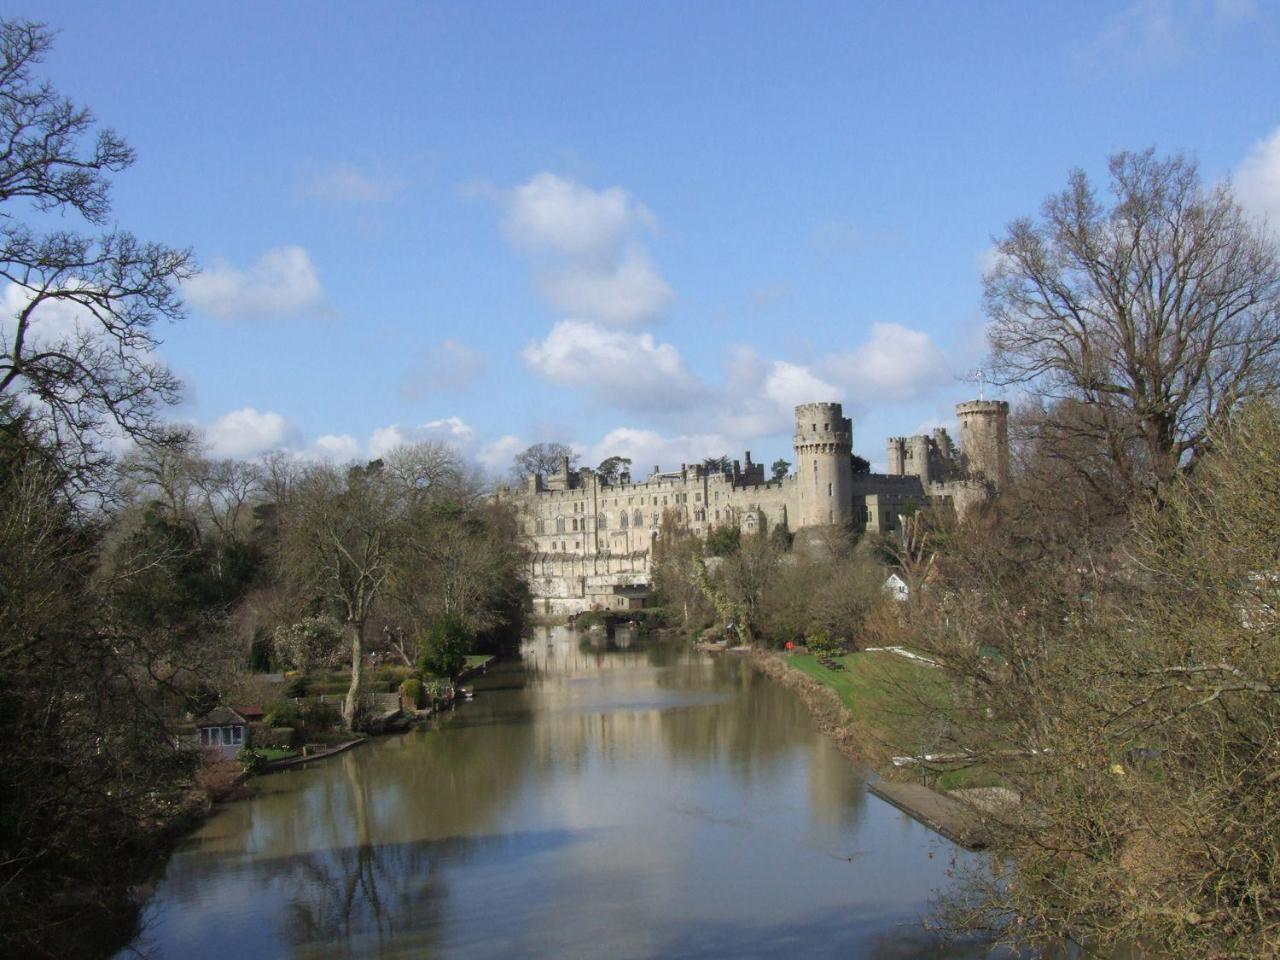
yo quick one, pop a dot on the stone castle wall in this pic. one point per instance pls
(591, 542)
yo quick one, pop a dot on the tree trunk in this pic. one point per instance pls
(356, 632)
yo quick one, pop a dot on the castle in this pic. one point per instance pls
(591, 539)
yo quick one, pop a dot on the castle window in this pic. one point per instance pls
(637, 519)
(540, 526)
(559, 524)
(623, 522)
(697, 498)
(603, 523)
(826, 426)
(575, 526)
(828, 489)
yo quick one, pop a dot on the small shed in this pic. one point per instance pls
(897, 588)
(223, 729)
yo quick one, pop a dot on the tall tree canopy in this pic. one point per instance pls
(1152, 313)
(77, 341)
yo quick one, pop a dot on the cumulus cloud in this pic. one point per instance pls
(52, 321)
(553, 213)
(897, 364)
(1257, 180)
(450, 365)
(626, 370)
(648, 448)
(585, 248)
(247, 432)
(497, 456)
(282, 282)
(336, 448)
(451, 430)
(348, 183)
(623, 293)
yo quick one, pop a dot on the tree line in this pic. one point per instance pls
(141, 578)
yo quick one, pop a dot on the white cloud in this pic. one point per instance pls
(450, 365)
(283, 281)
(336, 448)
(348, 183)
(50, 322)
(990, 259)
(648, 448)
(1257, 180)
(497, 455)
(587, 259)
(247, 432)
(789, 385)
(626, 370)
(451, 430)
(897, 364)
(623, 293)
(553, 213)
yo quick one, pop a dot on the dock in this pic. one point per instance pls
(958, 822)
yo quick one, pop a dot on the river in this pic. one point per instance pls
(618, 799)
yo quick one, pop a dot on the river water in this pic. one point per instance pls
(597, 799)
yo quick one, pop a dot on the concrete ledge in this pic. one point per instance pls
(954, 820)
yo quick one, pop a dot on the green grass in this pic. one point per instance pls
(889, 694)
(274, 753)
(477, 660)
(964, 778)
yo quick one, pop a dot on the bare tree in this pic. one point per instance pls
(542, 458)
(1152, 315)
(79, 346)
(340, 530)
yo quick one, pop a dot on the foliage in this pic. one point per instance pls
(614, 469)
(317, 715)
(249, 759)
(821, 643)
(860, 465)
(411, 692)
(286, 713)
(1131, 702)
(312, 643)
(722, 541)
(446, 647)
(780, 469)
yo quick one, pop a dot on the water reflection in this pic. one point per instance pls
(614, 797)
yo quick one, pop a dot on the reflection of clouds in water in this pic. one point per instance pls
(646, 801)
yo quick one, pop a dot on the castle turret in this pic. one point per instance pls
(920, 458)
(897, 450)
(824, 473)
(984, 439)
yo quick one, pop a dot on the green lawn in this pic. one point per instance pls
(888, 694)
(274, 753)
(477, 660)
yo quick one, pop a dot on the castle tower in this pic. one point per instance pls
(984, 439)
(824, 474)
(920, 458)
(897, 450)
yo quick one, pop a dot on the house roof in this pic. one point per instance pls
(250, 713)
(220, 716)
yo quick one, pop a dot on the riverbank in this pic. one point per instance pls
(877, 706)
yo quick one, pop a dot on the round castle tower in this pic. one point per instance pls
(984, 439)
(824, 473)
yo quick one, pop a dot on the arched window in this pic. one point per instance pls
(559, 524)
(624, 519)
(638, 519)
(603, 522)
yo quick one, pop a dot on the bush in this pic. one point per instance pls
(297, 687)
(278, 738)
(318, 715)
(723, 541)
(411, 692)
(823, 644)
(447, 644)
(283, 714)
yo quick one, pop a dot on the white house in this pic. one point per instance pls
(896, 587)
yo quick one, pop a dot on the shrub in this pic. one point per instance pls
(723, 541)
(297, 687)
(283, 714)
(447, 644)
(318, 715)
(249, 761)
(411, 692)
(823, 644)
(269, 738)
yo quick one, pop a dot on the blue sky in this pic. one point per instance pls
(643, 228)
